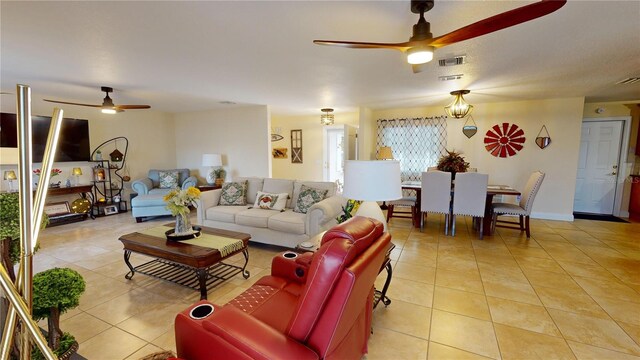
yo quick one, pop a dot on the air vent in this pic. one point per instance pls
(453, 61)
(226, 102)
(627, 81)
(450, 77)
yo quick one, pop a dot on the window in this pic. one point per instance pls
(417, 143)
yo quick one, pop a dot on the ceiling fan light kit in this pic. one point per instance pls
(327, 118)
(458, 108)
(420, 55)
(421, 45)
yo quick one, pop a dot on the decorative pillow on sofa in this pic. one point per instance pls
(271, 201)
(168, 179)
(234, 193)
(308, 196)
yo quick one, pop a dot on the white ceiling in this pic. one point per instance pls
(189, 56)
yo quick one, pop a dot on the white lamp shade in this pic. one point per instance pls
(211, 160)
(372, 180)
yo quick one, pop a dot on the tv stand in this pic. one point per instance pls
(83, 190)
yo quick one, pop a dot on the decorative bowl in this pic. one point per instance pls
(171, 237)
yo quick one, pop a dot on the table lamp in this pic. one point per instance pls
(11, 176)
(385, 153)
(77, 172)
(372, 181)
(212, 161)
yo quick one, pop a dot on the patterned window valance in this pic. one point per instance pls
(416, 142)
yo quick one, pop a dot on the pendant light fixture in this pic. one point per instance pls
(458, 108)
(327, 118)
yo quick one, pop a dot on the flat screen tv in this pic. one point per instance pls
(73, 143)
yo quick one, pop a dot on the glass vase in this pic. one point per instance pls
(183, 224)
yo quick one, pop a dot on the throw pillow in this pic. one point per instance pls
(234, 193)
(350, 209)
(308, 196)
(271, 201)
(168, 179)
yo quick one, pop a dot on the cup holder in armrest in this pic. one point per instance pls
(290, 255)
(201, 311)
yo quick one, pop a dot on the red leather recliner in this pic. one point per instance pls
(315, 306)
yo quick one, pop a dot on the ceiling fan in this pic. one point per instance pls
(421, 44)
(108, 107)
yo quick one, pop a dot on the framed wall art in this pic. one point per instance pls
(279, 153)
(296, 146)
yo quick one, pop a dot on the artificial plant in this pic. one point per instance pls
(54, 292)
(452, 161)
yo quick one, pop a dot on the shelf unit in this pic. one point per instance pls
(107, 185)
(107, 182)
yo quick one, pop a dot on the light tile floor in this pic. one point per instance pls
(571, 291)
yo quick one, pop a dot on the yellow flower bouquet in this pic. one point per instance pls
(178, 201)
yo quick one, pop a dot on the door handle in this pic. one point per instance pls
(613, 173)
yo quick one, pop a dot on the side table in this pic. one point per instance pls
(380, 295)
(208, 187)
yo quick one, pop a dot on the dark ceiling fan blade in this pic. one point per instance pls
(132, 107)
(498, 22)
(365, 45)
(71, 103)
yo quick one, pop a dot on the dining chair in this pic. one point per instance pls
(407, 201)
(435, 196)
(523, 209)
(469, 197)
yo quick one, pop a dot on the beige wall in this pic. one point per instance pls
(240, 135)
(312, 157)
(563, 118)
(138, 126)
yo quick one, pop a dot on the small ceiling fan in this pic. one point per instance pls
(420, 47)
(108, 107)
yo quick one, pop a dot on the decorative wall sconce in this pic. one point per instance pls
(458, 108)
(469, 129)
(327, 118)
(541, 140)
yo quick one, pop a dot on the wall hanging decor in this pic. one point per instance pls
(275, 135)
(296, 146)
(543, 139)
(279, 153)
(469, 129)
(504, 140)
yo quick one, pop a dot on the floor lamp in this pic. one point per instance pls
(371, 181)
(385, 153)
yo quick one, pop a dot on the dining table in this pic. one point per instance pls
(492, 190)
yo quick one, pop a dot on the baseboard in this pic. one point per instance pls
(552, 216)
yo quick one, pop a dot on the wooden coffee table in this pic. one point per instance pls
(192, 266)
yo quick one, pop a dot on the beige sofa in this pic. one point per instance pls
(287, 228)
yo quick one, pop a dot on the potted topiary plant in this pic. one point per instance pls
(54, 292)
(452, 162)
(220, 175)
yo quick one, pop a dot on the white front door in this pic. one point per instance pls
(598, 167)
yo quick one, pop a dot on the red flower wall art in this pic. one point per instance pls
(505, 140)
